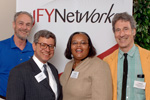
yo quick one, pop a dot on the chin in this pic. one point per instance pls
(45, 61)
(122, 45)
(80, 58)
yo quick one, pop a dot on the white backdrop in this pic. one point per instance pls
(64, 17)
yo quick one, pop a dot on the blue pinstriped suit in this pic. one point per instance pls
(22, 84)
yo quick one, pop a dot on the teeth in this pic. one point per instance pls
(78, 50)
(45, 54)
(24, 31)
(122, 38)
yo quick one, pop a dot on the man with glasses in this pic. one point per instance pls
(36, 79)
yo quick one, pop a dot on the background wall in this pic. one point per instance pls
(7, 11)
(90, 16)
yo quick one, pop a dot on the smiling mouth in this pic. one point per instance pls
(122, 39)
(79, 50)
(46, 54)
(24, 32)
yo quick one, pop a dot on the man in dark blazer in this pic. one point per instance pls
(29, 80)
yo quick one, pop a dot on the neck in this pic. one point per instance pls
(76, 63)
(19, 43)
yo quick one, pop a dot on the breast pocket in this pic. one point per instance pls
(139, 89)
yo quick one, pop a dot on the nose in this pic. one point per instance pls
(24, 26)
(122, 33)
(79, 44)
(47, 49)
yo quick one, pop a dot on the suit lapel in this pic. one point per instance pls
(145, 61)
(55, 74)
(69, 70)
(36, 71)
(113, 66)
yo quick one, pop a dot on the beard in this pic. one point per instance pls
(20, 36)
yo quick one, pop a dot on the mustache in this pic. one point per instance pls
(24, 30)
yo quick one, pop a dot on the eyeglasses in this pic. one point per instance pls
(44, 46)
(82, 43)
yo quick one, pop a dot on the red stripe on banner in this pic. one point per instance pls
(109, 51)
(104, 54)
(59, 74)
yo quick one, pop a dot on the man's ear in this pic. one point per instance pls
(33, 46)
(134, 31)
(14, 25)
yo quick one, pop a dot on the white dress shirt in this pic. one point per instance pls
(52, 81)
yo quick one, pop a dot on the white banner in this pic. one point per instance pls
(64, 17)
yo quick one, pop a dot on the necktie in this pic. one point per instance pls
(125, 72)
(45, 72)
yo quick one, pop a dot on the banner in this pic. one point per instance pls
(64, 17)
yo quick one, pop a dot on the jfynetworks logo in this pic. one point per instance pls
(70, 17)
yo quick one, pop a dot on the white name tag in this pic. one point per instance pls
(74, 74)
(139, 85)
(39, 77)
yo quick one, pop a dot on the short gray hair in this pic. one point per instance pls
(23, 12)
(44, 33)
(123, 16)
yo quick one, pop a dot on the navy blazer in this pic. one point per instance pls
(22, 84)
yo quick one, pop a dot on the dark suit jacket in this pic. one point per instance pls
(22, 84)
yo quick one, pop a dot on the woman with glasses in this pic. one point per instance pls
(86, 77)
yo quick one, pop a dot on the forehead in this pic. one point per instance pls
(45, 40)
(122, 23)
(80, 37)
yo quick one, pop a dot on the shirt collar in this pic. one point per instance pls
(13, 45)
(27, 47)
(130, 52)
(38, 62)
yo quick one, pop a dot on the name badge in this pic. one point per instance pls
(74, 74)
(139, 85)
(39, 77)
